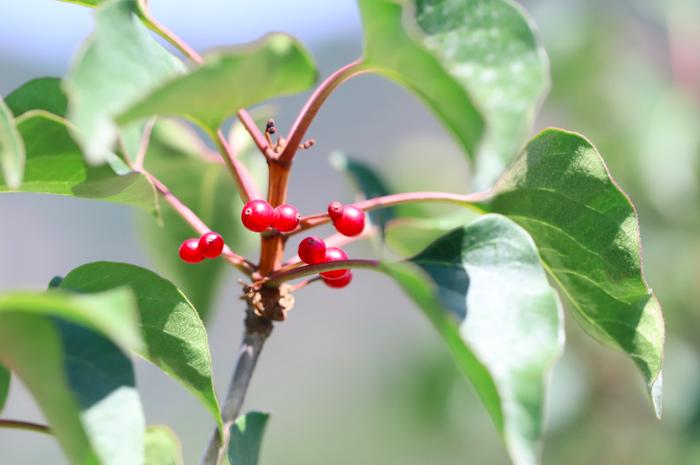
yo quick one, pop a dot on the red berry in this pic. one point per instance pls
(285, 218)
(337, 283)
(334, 254)
(335, 209)
(312, 250)
(257, 215)
(189, 251)
(351, 221)
(211, 244)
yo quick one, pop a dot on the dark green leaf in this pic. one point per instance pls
(231, 79)
(368, 183)
(118, 64)
(587, 233)
(162, 447)
(246, 438)
(56, 166)
(174, 336)
(102, 380)
(484, 289)
(38, 94)
(5, 378)
(12, 154)
(465, 59)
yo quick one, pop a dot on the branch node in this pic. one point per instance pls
(268, 303)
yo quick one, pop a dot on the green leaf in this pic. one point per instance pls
(368, 183)
(117, 65)
(55, 166)
(102, 380)
(231, 79)
(41, 342)
(38, 94)
(476, 63)
(5, 378)
(111, 313)
(246, 438)
(174, 336)
(587, 233)
(162, 447)
(484, 289)
(12, 153)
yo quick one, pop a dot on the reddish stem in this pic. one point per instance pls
(197, 224)
(280, 277)
(313, 105)
(249, 124)
(469, 200)
(244, 181)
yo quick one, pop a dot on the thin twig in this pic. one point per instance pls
(334, 240)
(313, 105)
(249, 124)
(25, 425)
(197, 224)
(172, 38)
(253, 340)
(467, 200)
(145, 141)
(243, 178)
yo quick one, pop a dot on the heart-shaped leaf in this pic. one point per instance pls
(12, 153)
(118, 64)
(484, 289)
(476, 63)
(587, 232)
(230, 79)
(175, 338)
(246, 437)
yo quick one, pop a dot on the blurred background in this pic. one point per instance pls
(358, 376)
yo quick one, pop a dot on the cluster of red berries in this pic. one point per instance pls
(194, 250)
(258, 215)
(313, 251)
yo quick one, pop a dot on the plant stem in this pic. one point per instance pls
(313, 105)
(249, 124)
(196, 223)
(272, 245)
(172, 38)
(277, 278)
(467, 200)
(25, 425)
(257, 330)
(244, 181)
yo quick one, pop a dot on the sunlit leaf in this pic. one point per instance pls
(119, 63)
(484, 289)
(56, 166)
(587, 233)
(230, 79)
(476, 63)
